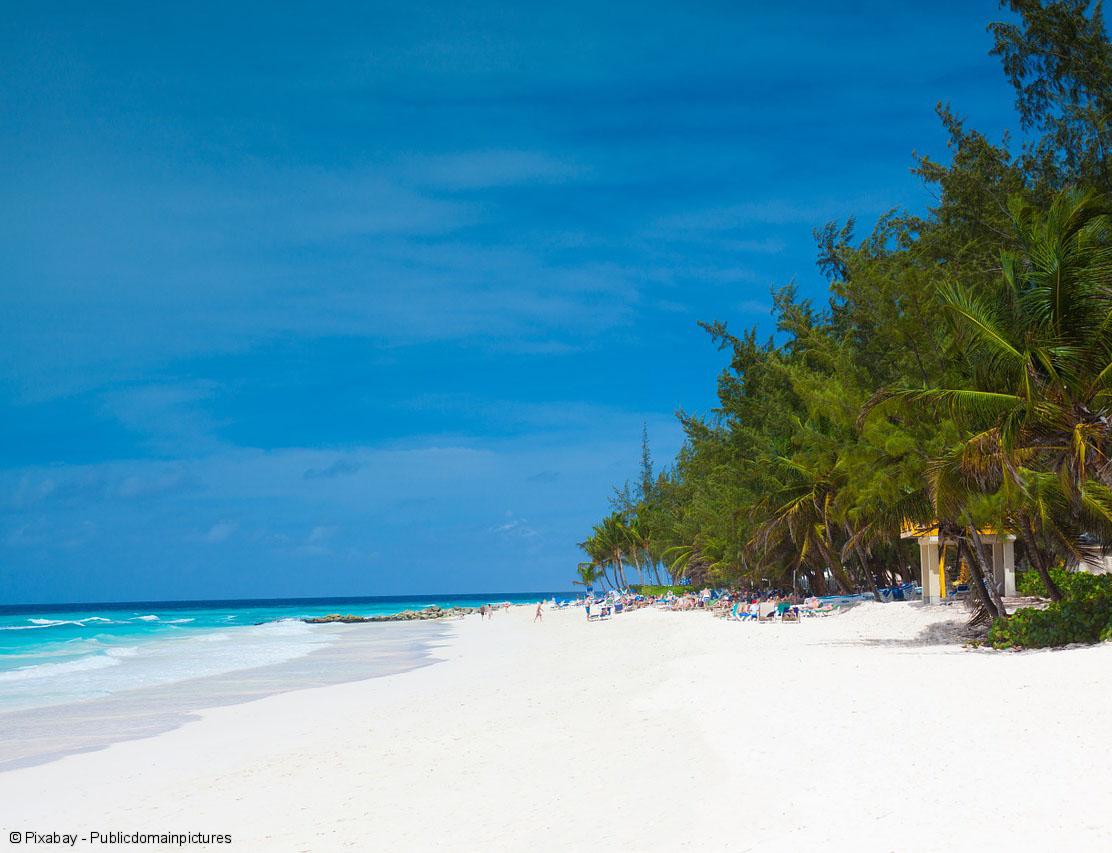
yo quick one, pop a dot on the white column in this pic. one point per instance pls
(1009, 566)
(928, 569)
(998, 564)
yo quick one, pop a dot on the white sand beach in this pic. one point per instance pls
(652, 731)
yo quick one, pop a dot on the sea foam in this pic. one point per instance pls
(49, 670)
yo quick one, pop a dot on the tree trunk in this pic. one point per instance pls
(836, 567)
(978, 581)
(869, 579)
(839, 572)
(818, 581)
(1037, 558)
(978, 550)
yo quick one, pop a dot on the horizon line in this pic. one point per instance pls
(307, 598)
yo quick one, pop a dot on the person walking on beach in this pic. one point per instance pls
(537, 617)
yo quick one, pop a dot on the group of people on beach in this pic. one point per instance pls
(486, 611)
(752, 604)
(605, 607)
(739, 604)
(787, 608)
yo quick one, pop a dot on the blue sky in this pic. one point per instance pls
(374, 298)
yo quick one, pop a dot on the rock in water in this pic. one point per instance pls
(430, 612)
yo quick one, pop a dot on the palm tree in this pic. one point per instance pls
(1039, 349)
(588, 573)
(962, 508)
(643, 550)
(610, 546)
(595, 549)
(803, 511)
(687, 561)
(614, 538)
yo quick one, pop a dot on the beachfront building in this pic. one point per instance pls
(932, 560)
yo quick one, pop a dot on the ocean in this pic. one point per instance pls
(56, 654)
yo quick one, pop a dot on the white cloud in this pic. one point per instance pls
(222, 531)
(442, 513)
(322, 533)
(515, 527)
(171, 417)
(485, 168)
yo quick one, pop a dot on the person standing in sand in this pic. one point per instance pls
(537, 617)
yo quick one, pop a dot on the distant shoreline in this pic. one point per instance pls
(71, 653)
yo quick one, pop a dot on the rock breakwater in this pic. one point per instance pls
(430, 612)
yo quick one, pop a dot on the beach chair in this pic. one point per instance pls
(766, 610)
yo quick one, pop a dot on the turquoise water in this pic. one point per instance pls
(51, 655)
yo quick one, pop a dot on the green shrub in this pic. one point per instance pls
(1072, 584)
(659, 590)
(1083, 616)
(1081, 584)
(1029, 583)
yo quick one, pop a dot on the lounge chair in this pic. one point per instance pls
(765, 611)
(739, 612)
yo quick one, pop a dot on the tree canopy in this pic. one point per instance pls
(959, 371)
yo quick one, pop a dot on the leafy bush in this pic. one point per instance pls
(1083, 616)
(1029, 583)
(1081, 584)
(1072, 584)
(658, 591)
